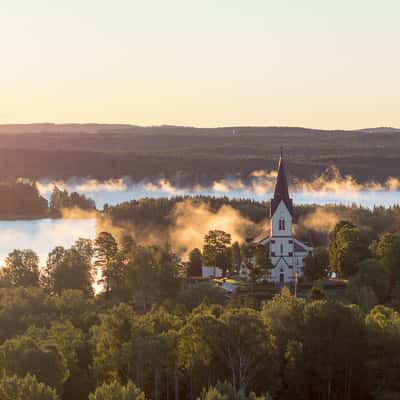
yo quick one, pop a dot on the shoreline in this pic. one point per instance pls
(48, 215)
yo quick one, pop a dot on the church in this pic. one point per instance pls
(287, 254)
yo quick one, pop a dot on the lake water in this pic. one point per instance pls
(43, 235)
(118, 190)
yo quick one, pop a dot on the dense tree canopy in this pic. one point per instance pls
(69, 268)
(150, 333)
(372, 274)
(316, 266)
(28, 387)
(388, 250)
(21, 269)
(217, 249)
(116, 391)
(21, 200)
(61, 199)
(347, 248)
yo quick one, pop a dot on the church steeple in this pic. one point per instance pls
(281, 192)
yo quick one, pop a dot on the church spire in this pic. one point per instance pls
(281, 192)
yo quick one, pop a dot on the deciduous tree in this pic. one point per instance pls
(374, 274)
(347, 248)
(316, 266)
(234, 338)
(115, 391)
(69, 268)
(28, 387)
(217, 249)
(388, 250)
(23, 355)
(21, 269)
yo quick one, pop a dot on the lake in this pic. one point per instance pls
(44, 234)
(116, 191)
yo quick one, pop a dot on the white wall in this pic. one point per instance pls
(281, 212)
(211, 272)
(281, 244)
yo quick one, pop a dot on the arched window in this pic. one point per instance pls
(281, 224)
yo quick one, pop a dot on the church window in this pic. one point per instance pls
(281, 248)
(281, 224)
(290, 254)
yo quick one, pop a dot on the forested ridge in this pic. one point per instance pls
(192, 155)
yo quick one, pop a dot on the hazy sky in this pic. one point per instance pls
(315, 63)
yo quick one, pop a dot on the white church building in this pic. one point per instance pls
(287, 254)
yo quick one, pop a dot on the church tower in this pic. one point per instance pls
(281, 243)
(287, 253)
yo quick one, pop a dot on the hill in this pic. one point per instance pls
(196, 155)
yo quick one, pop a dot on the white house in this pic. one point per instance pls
(211, 272)
(286, 252)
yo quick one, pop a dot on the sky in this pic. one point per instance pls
(313, 63)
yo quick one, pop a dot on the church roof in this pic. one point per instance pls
(299, 248)
(261, 237)
(281, 192)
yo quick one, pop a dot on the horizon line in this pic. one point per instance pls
(133, 125)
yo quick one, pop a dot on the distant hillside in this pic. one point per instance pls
(194, 155)
(380, 130)
(94, 128)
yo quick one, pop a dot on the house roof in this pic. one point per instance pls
(300, 247)
(261, 237)
(281, 192)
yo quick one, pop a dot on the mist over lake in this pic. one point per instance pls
(44, 234)
(344, 192)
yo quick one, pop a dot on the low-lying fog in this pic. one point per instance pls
(43, 235)
(329, 188)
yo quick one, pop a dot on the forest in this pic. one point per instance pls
(190, 156)
(123, 317)
(22, 200)
(112, 320)
(157, 214)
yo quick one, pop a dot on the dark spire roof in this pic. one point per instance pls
(281, 190)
